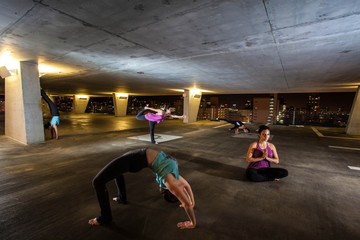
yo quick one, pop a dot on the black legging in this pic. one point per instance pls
(265, 174)
(52, 106)
(232, 122)
(132, 161)
(141, 116)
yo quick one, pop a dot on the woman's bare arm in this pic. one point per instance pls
(275, 158)
(177, 116)
(182, 190)
(250, 153)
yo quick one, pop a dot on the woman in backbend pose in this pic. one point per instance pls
(55, 120)
(259, 157)
(155, 118)
(167, 175)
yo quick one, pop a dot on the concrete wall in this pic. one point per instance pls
(23, 115)
(353, 126)
(80, 103)
(191, 105)
(120, 104)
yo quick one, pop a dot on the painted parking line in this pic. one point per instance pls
(321, 135)
(222, 125)
(347, 148)
(354, 168)
(317, 132)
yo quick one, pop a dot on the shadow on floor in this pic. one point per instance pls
(214, 168)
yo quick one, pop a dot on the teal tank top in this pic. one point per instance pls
(163, 166)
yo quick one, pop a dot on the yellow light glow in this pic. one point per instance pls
(82, 96)
(8, 61)
(47, 69)
(195, 91)
(177, 90)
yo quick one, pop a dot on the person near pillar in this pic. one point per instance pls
(167, 175)
(155, 118)
(259, 156)
(55, 120)
(238, 125)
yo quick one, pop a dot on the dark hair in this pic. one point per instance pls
(167, 107)
(47, 125)
(262, 128)
(168, 196)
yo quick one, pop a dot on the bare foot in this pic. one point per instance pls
(185, 225)
(118, 200)
(277, 179)
(94, 222)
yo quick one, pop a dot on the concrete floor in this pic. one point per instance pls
(46, 190)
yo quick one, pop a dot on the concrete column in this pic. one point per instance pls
(120, 104)
(23, 115)
(80, 103)
(191, 105)
(353, 125)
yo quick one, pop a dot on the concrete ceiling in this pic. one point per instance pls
(154, 47)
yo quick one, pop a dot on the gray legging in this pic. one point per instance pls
(132, 161)
(152, 124)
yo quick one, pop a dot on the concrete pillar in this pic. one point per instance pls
(353, 125)
(23, 115)
(120, 101)
(80, 103)
(192, 100)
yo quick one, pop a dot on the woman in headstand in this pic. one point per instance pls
(167, 175)
(238, 125)
(55, 120)
(155, 118)
(259, 157)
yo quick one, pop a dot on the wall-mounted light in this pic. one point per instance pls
(122, 95)
(82, 97)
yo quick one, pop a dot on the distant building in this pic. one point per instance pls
(223, 113)
(264, 110)
(214, 101)
(249, 104)
(312, 106)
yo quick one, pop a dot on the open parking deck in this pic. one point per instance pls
(46, 189)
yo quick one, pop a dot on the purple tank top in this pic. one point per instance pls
(258, 152)
(154, 117)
